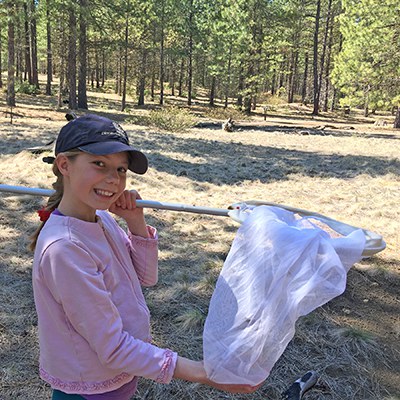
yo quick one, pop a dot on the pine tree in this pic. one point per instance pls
(82, 55)
(366, 69)
(49, 52)
(11, 11)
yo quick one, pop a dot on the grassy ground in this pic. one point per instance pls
(319, 164)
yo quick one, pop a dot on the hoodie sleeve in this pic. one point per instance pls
(144, 255)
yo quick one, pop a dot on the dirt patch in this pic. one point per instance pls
(352, 175)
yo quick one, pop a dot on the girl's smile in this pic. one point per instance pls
(104, 193)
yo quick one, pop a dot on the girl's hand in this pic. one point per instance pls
(194, 371)
(125, 207)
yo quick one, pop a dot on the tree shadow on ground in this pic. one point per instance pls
(231, 163)
(18, 138)
(41, 100)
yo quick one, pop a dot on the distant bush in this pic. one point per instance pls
(225, 113)
(172, 119)
(275, 100)
(25, 88)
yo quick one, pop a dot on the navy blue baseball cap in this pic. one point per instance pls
(98, 135)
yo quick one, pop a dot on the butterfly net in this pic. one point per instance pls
(280, 267)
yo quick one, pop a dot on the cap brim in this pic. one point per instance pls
(137, 160)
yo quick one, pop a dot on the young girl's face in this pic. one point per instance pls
(95, 182)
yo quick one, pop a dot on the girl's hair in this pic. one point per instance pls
(55, 198)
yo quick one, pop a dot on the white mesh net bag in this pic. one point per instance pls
(279, 268)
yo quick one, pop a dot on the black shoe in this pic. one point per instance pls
(298, 388)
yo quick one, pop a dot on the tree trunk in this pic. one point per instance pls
(19, 55)
(125, 67)
(334, 95)
(71, 63)
(118, 78)
(273, 83)
(228, 77)
(328, 64)
(282, 72)
(61, 67)
(255, 84)
(1, 70)
(49, 53)
(142, 78)
(247, 105)
(254, 102)
(97, 64)
(293, 74)
(324, 44)
(315, 60)
(153, 81)
(305, 75)
(117, 74)
(335, 91)
(28, 68)
(190, 59)
(203, 74)
(366, 100)
(190, 71)
(34, 61)
(172, 81)
(120, 72)
(396, 124)
(11, 57)
(212, 91)
(88, 68)
(248, 85)
(103, 67)
(20, 52)
(239, 101)
(162, 53)
(180, 83)
(82, 95)
(62, 82)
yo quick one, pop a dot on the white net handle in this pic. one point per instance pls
(237, 211)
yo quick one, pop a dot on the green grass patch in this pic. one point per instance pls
(356, 334)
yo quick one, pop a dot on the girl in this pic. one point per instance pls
(87, 274)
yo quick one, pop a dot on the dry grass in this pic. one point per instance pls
(354, 176)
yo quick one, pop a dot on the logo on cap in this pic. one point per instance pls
(118, 131)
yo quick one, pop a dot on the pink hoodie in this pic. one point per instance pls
(94, 329)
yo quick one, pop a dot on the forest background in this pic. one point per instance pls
(329, 53)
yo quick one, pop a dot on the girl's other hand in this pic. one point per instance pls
(194, 371)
